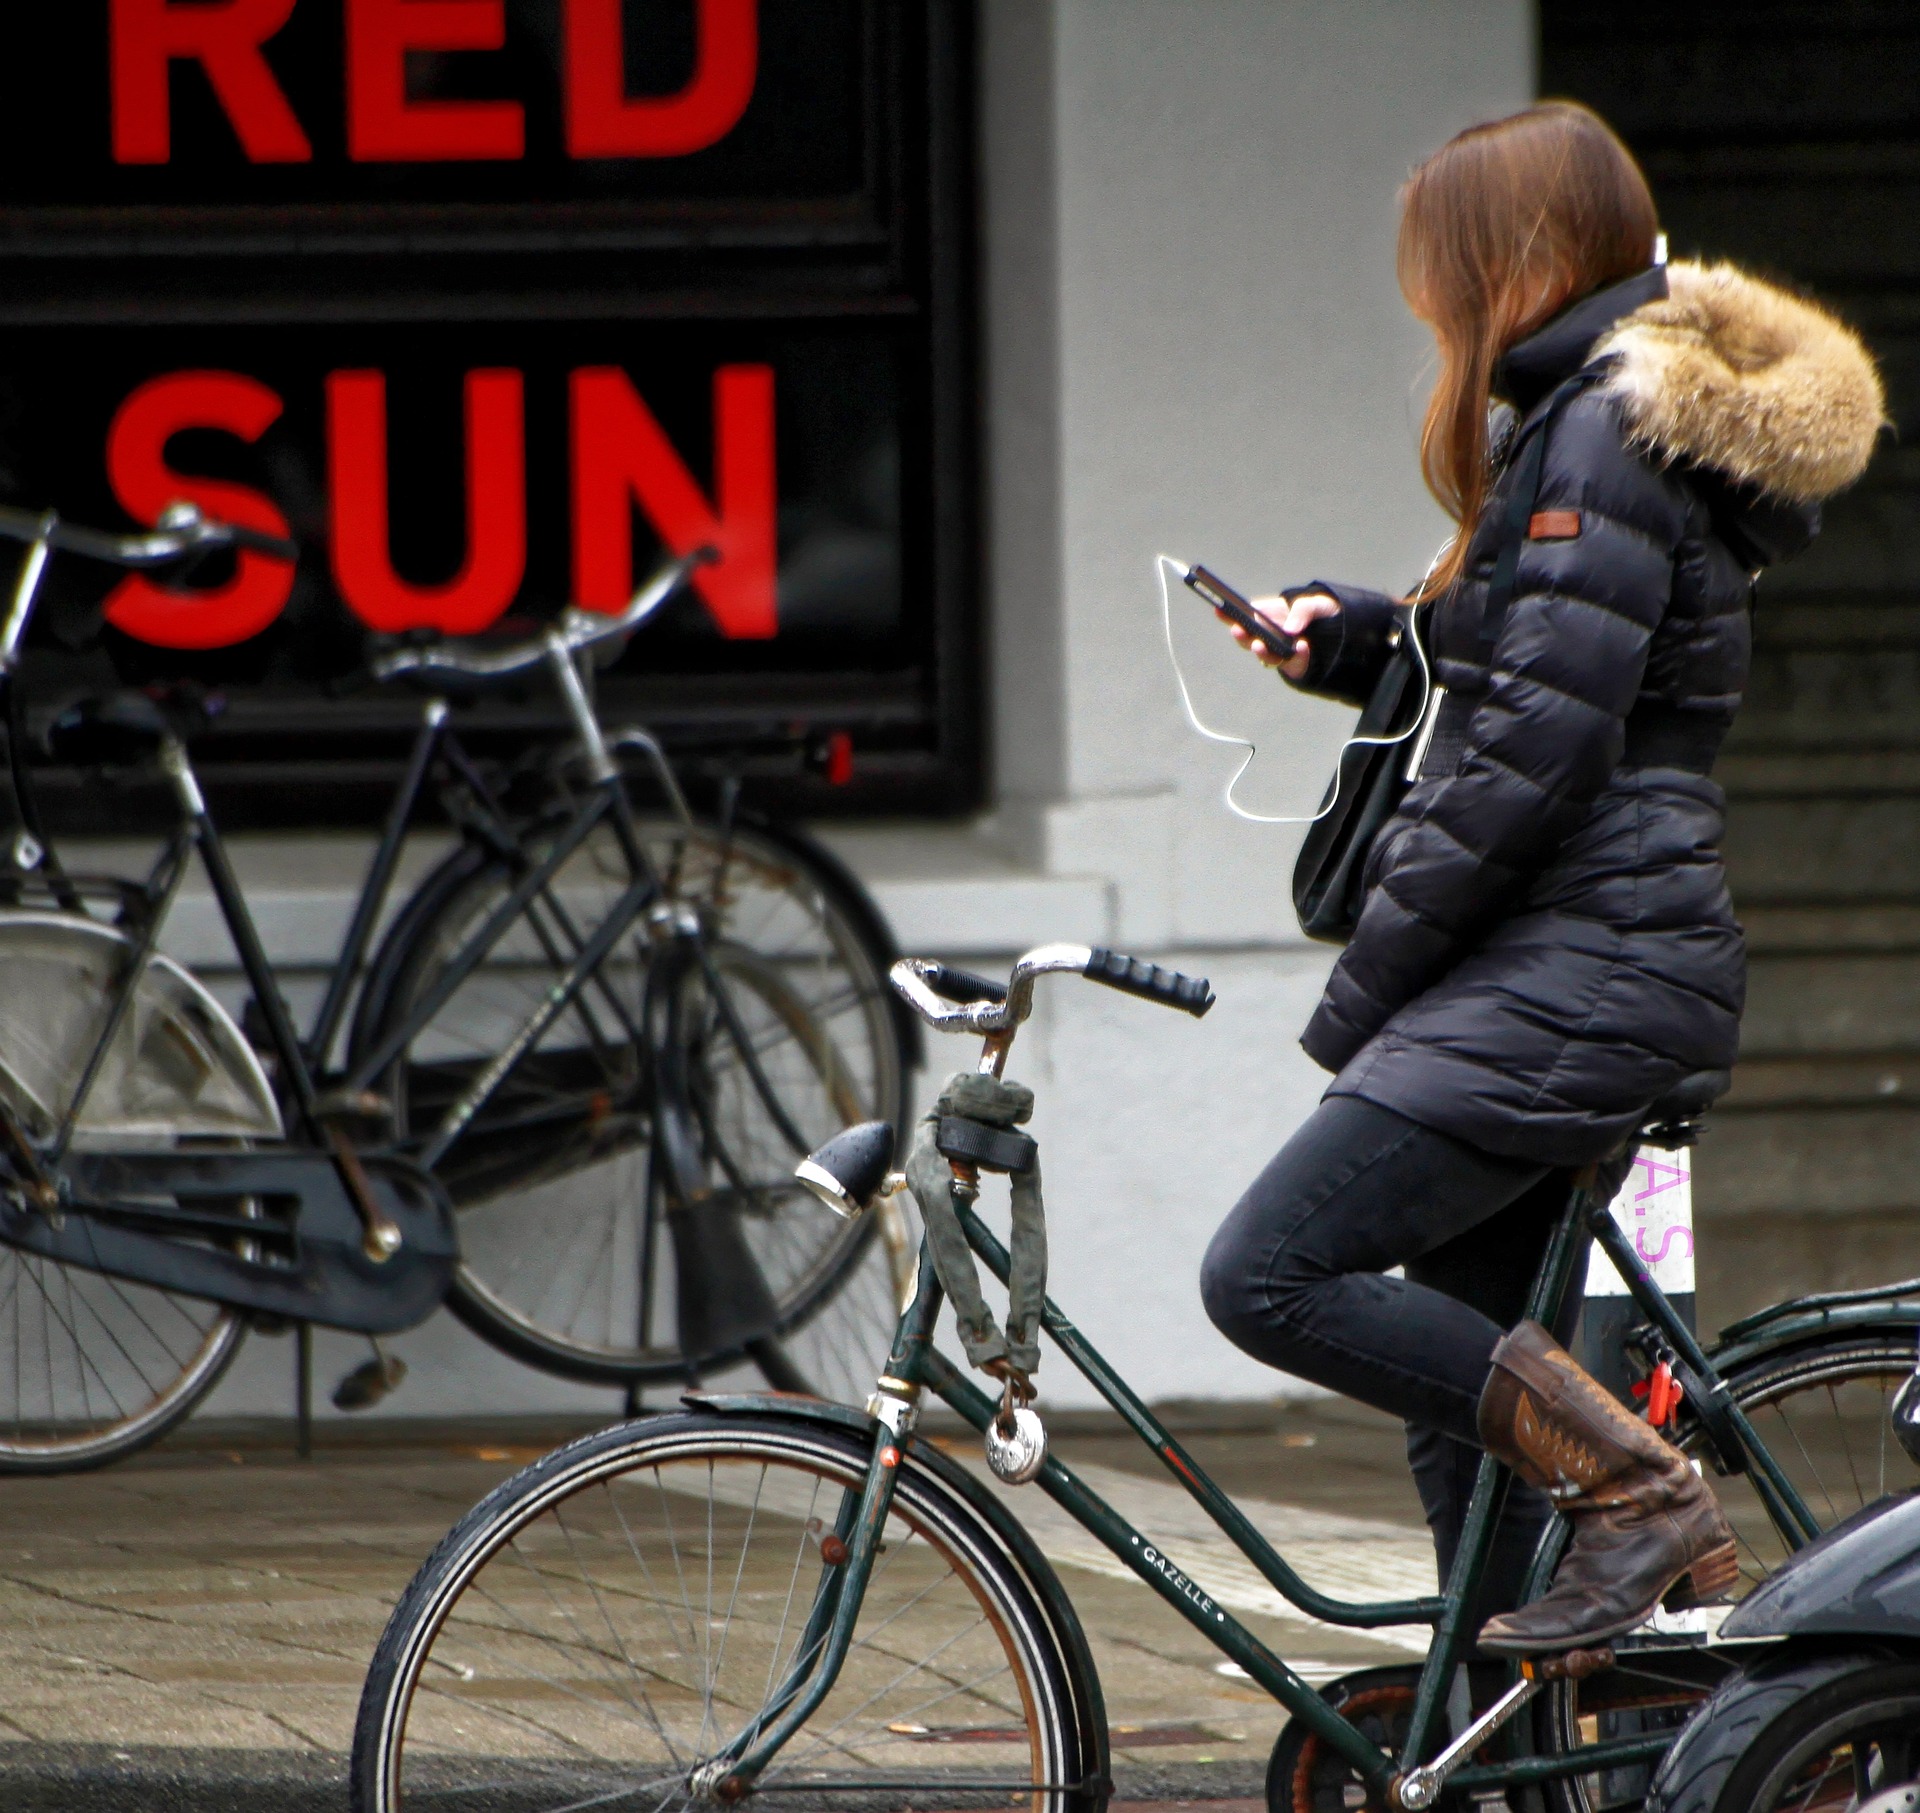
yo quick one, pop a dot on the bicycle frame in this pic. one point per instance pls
(915, 1366)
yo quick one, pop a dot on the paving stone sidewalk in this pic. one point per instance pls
(188, 1631)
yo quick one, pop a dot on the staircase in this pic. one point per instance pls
(1784, 134)
(1809, 1177)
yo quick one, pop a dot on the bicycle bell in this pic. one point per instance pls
(1016, 1444)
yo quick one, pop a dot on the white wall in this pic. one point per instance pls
(1233, 378)
(1194, 343)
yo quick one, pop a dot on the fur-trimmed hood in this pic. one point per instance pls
(1733, 374)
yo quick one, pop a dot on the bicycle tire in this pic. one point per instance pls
(1868, 1362)
(1761, 1735)
(116, 1364)
(510, 1673)
(573, 1332)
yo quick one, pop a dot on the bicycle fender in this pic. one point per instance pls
(985, 1505)
(134, 1214)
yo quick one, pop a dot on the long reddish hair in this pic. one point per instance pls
(1500, 229)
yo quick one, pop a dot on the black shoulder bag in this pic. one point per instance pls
(1370, 779)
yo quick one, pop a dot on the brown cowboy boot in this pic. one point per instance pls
(1642, 1518)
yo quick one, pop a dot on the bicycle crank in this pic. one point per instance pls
(1418, 1789)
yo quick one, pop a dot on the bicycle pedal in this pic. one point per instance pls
(1568, 1665)
(370, 1382)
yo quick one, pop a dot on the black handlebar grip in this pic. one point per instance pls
(962, 985)
(1136, 976)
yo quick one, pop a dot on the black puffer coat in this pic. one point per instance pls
(1547, 944)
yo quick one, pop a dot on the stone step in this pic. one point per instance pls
(1831, 849)
(1842, 711)
(1801, 1003)
(1804, 771)
(1890, 926)
(1812, 1159)
(1794, 1194)
(1837, 622)
(1744, 1263)
(1837, 669)
(1859, 1079)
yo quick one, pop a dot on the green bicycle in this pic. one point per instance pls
(779, 1599)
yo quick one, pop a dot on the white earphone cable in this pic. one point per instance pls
(1168, 568)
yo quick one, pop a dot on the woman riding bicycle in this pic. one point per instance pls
(1546, 946)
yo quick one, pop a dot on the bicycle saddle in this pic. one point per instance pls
(112, 729)
(1678, 1112)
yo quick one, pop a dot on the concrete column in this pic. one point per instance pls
(1195, 345)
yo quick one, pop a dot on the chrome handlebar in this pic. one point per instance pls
(912, 979)
(571, 632)
(952, 1001)
(182, 530)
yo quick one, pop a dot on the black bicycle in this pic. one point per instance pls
(765, 1599)
(560, 1086)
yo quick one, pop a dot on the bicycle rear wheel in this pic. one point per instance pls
(1822, 1408)
(607, 1621)
(94, 1367)
(567, 1259)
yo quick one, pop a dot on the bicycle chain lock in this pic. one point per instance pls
(972, 1129)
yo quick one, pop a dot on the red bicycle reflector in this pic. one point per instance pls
(839, 763)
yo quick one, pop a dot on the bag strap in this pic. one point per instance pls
(1520, 501)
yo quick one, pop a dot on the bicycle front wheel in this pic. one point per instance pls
(607, 1622)
(93, 1367)
(567, 1258)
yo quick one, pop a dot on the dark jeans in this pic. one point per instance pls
(1296, 1276)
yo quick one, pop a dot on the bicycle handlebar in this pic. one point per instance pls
(182, 530)
(960, 985)
(1136, 976)
(574, 630)
(972, 1004)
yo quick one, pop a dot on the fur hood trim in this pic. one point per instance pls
(1731, 373)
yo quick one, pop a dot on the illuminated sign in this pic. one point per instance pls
(491, 304)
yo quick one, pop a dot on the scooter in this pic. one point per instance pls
(1825, 1716)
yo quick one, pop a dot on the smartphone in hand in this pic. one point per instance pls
(1236, 609)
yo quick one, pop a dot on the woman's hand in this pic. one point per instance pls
(1286, 649)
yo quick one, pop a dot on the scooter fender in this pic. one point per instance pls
(1859, 1579)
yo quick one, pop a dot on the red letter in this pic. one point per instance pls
(145, 485)
(383, 126)
(603, 122)
(225, 40)
(496, 506)
(621, 457)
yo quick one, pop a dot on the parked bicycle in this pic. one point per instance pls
(563, 1090)
(758, 1597)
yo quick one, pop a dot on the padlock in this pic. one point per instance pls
(1016, 1442)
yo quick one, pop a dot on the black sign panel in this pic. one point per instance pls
(491, 304)
(448, 477)
(168, 115)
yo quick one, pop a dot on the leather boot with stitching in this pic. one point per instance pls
(1642, 1519)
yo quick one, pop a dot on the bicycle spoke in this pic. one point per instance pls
(625, 1577)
